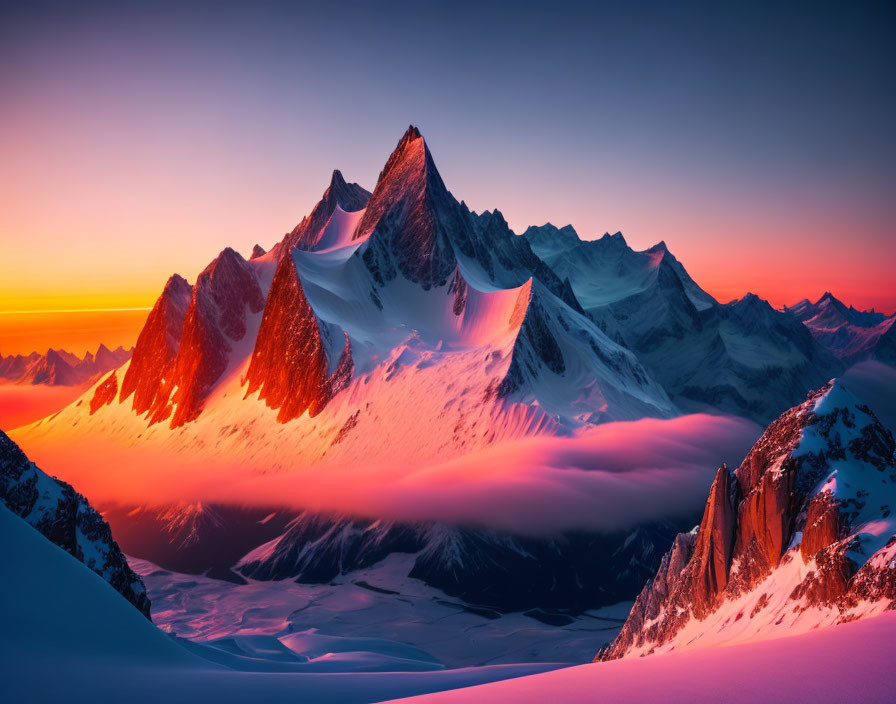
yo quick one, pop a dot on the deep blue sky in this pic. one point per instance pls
(757, 140)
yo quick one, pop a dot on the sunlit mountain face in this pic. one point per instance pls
(274, 430)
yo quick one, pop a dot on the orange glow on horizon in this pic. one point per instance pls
(76, 331)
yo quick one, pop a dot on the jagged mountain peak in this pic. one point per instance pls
(257, 251)
(549, 235)
(411, 148)
(496, 216)
(175, 286)
(412, 219)
(227, 258)
(350, 197)
(616, 239)
(751, 301)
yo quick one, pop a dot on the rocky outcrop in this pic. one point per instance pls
(105, 393)
(822, 525)
(151, 369)
(711, 558)
(807, 516)
(291, 366)
(65, 518)
(225, 293)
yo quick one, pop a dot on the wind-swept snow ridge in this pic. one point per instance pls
(849, 663)
(801, 535)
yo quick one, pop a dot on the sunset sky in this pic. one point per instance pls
(758, 142)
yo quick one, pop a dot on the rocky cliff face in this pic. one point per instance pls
(187, 341)
(225, 293)
(150, 371)
(291, 363)
(65, 518)
(799, 536)
(418, 230)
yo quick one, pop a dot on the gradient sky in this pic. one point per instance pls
(139, 139)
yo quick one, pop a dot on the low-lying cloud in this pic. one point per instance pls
(611, 477)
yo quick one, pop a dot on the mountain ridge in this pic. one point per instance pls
(801, 534)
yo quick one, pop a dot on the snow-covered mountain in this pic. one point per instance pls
(801, 535)
(571, 572)
(852, 335)
(362, 296)
(564, 332)
(66, 519)
(565, 573)
(743, 357)
(61, 368)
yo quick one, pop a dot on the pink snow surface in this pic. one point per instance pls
(852, 662)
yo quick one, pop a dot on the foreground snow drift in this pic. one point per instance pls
(68, 636)
(851, 662)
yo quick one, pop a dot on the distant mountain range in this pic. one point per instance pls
(852, 335)
(61, 368)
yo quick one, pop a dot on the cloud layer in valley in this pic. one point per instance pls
(613, 476)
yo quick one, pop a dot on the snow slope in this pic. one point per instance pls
(60, 618)
(65, 518)
(847, 663)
